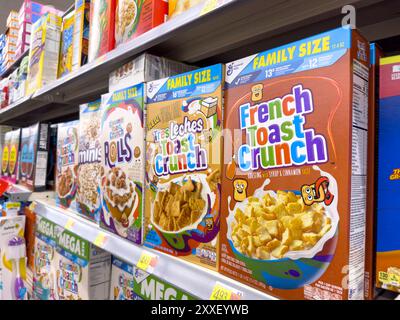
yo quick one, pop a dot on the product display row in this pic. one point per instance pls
(257, 169)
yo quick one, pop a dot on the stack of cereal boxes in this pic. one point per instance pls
(11, 37)
(294, 177)
(183, 167)
(388, 175)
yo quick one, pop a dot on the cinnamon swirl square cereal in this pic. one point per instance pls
(122, 136)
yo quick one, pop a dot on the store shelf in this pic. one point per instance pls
(189, 277)
(236, 28)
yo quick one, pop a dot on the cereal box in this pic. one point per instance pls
(370, 220)
(44, 51)
(81, 34)
(11, 155)
(135, 17)
(131, 283)
(52, 158)
(176, 7)
(388, 177)
(45, 268)
(90, 168)
(66, 52)
(30, 231)
(33, 157)
(122, 129)
(295, 165)
(67, 163)
(145, 68)
(101, 34)
(184, 123)
(82, 269)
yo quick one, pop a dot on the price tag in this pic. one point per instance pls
(209, 6)
(383, 277)
(100, 240)
(394, 279)
(70, 223)
(147, 262)
(224, 292)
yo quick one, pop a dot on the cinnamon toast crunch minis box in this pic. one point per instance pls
(184, 115)
(388, 177)
(294, 174)
(122, 131)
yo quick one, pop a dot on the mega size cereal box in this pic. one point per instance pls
(67, 164)
(135, 17)
(90, 169)
(388, 177)
(66, 52)
(183, 167)
(122, 131)
(82, 269)
(131, 283)
(44, 274)
(10, 158)
(33, 156)
(294, 176)
(102, 26)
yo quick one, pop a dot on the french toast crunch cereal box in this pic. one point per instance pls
(82, 269)
(388, 177)
(122, 130)
(44, 275)
(294, 176)
(184, 115)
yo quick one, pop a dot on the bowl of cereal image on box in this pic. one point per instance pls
(67, 186)
(183, 210)
(285, 243)
(126, 19)
(121, 200)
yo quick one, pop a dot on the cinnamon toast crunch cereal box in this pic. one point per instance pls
(294, 174)
(122, 131)
(388, 177)
(183, 167)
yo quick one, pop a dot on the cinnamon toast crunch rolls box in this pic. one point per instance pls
(183, 163)
(294, 174)
(388, 177)
(122, 136)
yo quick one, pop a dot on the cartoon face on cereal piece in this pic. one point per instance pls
(240, 190)
(317, 192)
(257, 92)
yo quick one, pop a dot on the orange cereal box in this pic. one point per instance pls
(294, 174)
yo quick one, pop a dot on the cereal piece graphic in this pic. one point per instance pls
(240, 190)
(317, 192)
(257, 92)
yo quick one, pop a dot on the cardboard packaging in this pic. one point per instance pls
(123, 155)
(176, 7)
(131, 283)
(66, 52)
(45, 265)
(295, 166)
(12, 251)
(370, 220)
(30, 234)
(10, 159)
(90, 169)
(33, 156)
(145, 68)
(81, 34)
(82, 269)
(102, 27)
(67, 163)
(183, 165)
(52, 158)
(388, 177)
(44, 52)
(135, 17)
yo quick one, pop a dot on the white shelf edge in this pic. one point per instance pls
(189, 277)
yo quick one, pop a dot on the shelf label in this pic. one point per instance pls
(147, 261)
(224, 292)
(70, 223)
(100, 240)
(389, 278)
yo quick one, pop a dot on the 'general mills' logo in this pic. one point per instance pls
(151, 87)
(229, 69)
